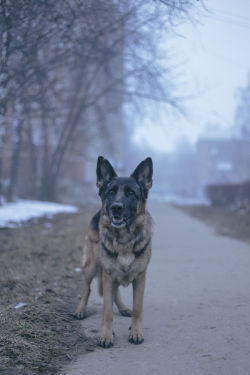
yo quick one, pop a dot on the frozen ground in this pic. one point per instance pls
(14, 214)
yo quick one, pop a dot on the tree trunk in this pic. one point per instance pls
(48, 188)
(14, 169)
(33, 158)
(4, 79)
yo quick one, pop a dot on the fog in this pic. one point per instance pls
(212, 61)
(160, 80)
(210, 142)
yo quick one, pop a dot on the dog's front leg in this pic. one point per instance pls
(107, 338)
(135, 335)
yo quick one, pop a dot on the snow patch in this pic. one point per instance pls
(19, 305)
(14, 214)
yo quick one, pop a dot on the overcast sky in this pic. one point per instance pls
(213, 58)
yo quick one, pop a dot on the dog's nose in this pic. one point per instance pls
(117, 209)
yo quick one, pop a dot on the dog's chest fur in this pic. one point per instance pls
(124, 254)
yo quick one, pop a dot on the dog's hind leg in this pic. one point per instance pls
(123, 309)
(89, 272)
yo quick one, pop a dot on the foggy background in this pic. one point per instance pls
(126, 80)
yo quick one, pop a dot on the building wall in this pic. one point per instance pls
(222, 161)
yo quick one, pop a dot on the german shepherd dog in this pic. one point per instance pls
(118, 246)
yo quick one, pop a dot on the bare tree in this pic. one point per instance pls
(59, 61)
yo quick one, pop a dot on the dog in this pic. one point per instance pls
(118, 246)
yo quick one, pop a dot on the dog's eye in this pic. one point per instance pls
(111, 192)
(130, 192)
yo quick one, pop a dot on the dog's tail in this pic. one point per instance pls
(99, 283)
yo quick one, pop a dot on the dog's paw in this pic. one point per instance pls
(106, 341)
(126, 312)
(135, 337)
(80, 314)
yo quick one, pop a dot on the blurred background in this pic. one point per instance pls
(125, 79)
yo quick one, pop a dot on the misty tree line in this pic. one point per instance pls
(58, 59)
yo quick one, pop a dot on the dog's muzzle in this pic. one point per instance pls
(116, 218)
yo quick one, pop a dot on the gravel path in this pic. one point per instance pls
(196, 310)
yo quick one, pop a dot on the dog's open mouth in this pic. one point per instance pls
(118, 222)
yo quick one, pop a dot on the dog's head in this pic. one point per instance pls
(123, 197)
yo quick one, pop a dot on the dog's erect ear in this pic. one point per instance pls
(104, 172)
(143, 174)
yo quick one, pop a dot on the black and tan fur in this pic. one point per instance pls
(118, 246)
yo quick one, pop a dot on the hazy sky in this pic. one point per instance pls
(213, 58)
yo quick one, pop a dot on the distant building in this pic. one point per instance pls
(221, 161)
(188, 172)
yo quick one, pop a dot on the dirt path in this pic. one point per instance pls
(197, 307)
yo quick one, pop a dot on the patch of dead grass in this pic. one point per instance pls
(38, 264)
